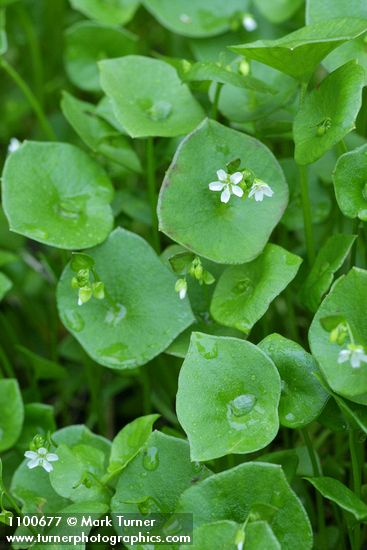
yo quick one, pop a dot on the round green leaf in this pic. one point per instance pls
(154, 480)
(256, 488)
(278, 11)
(237, 413)
(350, 179)
(244, 292)
(148, 97)
(55, 194)
(323, 111)
(98, 134)
(197, 17)
(12, 413)
(330, 258)
(240, 105)
(115, 12)
(348, 300)
(142, 302)
(302, 398)
(300, 52)
(193, 215)
(87, 43)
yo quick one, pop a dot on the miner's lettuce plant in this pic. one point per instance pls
(183, 267)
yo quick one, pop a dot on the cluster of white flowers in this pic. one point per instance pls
(41, 457)
(354, 354)
(229, 184)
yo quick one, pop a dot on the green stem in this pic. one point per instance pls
(152, 191)
(317, 473)
(7, 366)
(307, 216)
(23, 86)
(34, 50)
(218, 90)
(357, 480)
(353, 252)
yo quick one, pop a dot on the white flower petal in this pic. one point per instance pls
(258, 195)
(226, 194)
(222, 175)
(216, 186)
(236, 190)
(42, 451)
(13, 145)
(182, 293)
(343, 356)
(33, 463)
(252, 191)
(355, 361)
(267, 191)
(30, 454)
(52, 457)
(47, 466)
(236, 177)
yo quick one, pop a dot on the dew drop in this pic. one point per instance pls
(35, 232)
(151, 459)
(148, 506)
(244, 287)
(72, 207)
(74, 320)
(242, 404)
(114, 354)
(207, 348)
(290, 417)
(115, 315)
(160, 110)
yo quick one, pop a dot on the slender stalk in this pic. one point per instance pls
(353, 252)
(34, 50)
(306, 204)
(218, 90)
(152, 191)
(317, 473)
(357, 481)
(6, 364)
(32, 100)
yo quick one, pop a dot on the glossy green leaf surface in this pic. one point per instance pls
(300, 52)
(335, 491)
(62, 201)
(142, 301)
(330, 258)
(256, 488)
(86, 44)
(225, 233)
(152, 101)
(302, 398)
(12, 413)
(278, 11)
(98, 134)
(347, 299)
(195, 18)
(244, 293)
(350, 177)
(321, 122)
(115, 12)
(238, 413)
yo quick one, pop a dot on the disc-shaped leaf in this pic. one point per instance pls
(322, 120)
(117, 12)
(142, 301)
(195, 217)
(335, 491)
(87, 43)
(98, 134)
(253, 487)
(329, 259)
(244, 292)
(277, 11)
(347, 300)
(350, 182)
(148, 97)
(302, 398)
(238, 411)
(300, 52)
(154, 480)
(55, 194)
(12, 413)
(195, 18)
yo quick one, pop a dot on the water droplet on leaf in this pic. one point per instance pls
(115, 354)
(115, 315)
(74, 320)
(242, 405)
(151, 459)
(207, 348)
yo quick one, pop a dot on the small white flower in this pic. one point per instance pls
(181, 288)
(249, 22)
(14, 145)
(228, 184)
(260, 189)
(41, 457)
(354, 354)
